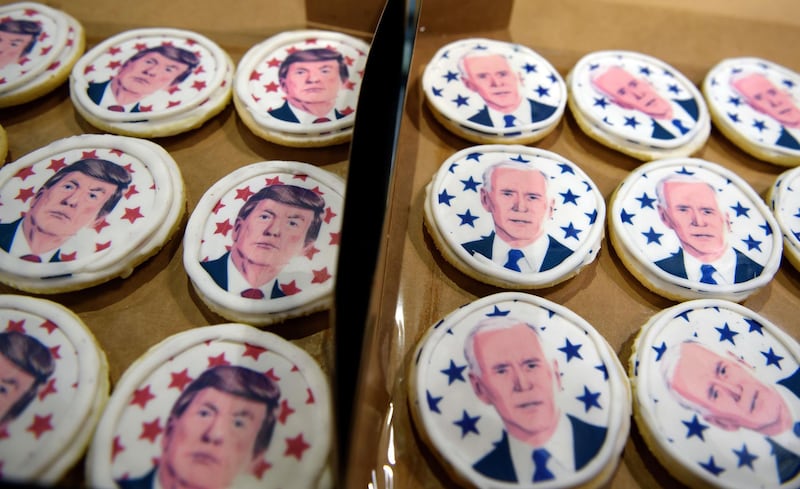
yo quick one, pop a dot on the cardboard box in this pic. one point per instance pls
(416, 287)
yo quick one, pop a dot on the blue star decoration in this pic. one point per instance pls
(571, 350)
(772, 358)
(660, 350)
(752, 243)
(695, 428)
(604, 370)
(470, 184)
(445, 198)
(433, 402)
(565, 168)
(451, 76)
(454, 372)
(745, 457)
(571, 231)
(711, 466)
(569, 197)
(474, 156)
(652, 236)
(461, 100)
(601, 102)
(437, 92)
(726, 334)
(592, 216)
(740, 210)
(645, 201)
(467, 219)
(626, 217)
(589, 399)
(497, 312)
(468, 424)
(631, 121)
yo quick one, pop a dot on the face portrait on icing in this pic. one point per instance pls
(509, 370)
(629, 92)
(25, 364)
(726, 391)
(491, 77)
(311, 79)
(17, 38)
(150, 71)
(691, 210)
(762, 95)
(516, 197)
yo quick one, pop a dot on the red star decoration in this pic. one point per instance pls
(255, 75)
(56, 165)
(53, 66)
(145, 108)
(25, 173)
(40, 425)
(173, 103)
(114, 50)
(274, 181)
(292, 50)
(272, 375)
(3, 433)
(244, 193)
(49, 388)
(68, 256)
(49, 325)
(25, 194)
(100, 225)
(89, 154)
(329, 215)
(301, 176)
(274, 63)
(347, 110)
(88, 69)
(285, 412)
(253, 351)
(321, 276)
(117, 152)
(141, 45)
(16, 326)
(311, 252)
(261, 467)
(311, 40)
(24, 60)
(132, 190)
(224, 227)
(219, 205)
(335, 238)
(116, 448)
(54, 352)
(101, 246)
(30, 12)
(296, 446)
(317, 191)
(290, 288)
(310, 398)
(180, 379)
(142, 396)
(132, 214)
(256, 99)
(271, 87)
(113, 65)
(218, 360)
(349, 61)
(151, 430)
(199, 85)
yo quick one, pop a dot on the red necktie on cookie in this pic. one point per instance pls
(32, 258)
(253, 293)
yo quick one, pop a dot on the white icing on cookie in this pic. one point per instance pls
(784, 200)
(59, 40)
(716, 219)
(129, 440)
(475, 83)
(566, 392)
(554, 214)
(716, 394)
(47, 438)
(273, 249)
(152, 81)
(632, 100)
(323, 75)
(79, 241)
(756, 103)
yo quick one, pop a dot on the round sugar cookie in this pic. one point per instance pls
(3, 145)
(261, 244)
(688, 228)
(638, 105)
(783, 198)
(152, 82)
(216, 406)
(49, 357)
(514, 216)
(756, 104)
(490, 91)
(84, 210)
(513, 390)
(716, 396)
(43, 44)
(300, 88)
